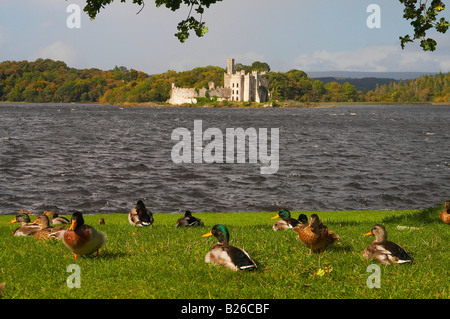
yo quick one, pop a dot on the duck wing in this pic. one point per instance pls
(230, 257)
(194, 221)
(26, 230)
(396, 253)
(140, 218)
(240, 258)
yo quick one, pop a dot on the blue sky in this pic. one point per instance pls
(321, 35)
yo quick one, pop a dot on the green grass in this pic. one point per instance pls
(168, 263)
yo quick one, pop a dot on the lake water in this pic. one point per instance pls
(101, 159)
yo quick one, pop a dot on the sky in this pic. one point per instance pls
(319, 35)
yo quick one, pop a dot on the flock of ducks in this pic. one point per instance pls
(79, 238)
(82, 239)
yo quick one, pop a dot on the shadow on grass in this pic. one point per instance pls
(104, 255)
(340, 248)
(107, 255)
(424, 216)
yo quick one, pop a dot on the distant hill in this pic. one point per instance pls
(363, 84)
(360, 75)
(44, 81)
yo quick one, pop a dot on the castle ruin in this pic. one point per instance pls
(238, 86)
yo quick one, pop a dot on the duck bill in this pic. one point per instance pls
(207, 234)
(274, 217)
(32, 223)
(13, 221)
(368, 234)
(73, 225)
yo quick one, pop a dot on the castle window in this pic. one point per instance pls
(237, 85)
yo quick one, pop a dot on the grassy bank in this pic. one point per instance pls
(164, 262)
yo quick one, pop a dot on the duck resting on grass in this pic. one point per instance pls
(82, 239)
(445, 214)
(384, 251)
(225, 255)
(316, 235)
(189, 221)
(55, 219)
(302, 218)
(24, 229)
(140, 215)
(45, 230)
(286, 222)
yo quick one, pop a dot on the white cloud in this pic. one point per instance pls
(56, 51)
(383, 58)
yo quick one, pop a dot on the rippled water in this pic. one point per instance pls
(97, 158)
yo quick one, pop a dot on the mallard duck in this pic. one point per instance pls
(445, 215)
(315, 235)
(386, 252)
(82, 239)
(25, 211)
(45, 230)
(140, 215)
(189, 221)
(24, 229)
(55, 219)
(286, 222)
(302, 218)
(225, 255)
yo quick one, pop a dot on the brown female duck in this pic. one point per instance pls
(45, 230)
(445, 214)
(384, 251)
(315, 235)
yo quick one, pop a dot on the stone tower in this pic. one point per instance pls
(230, 66)
(245, 87)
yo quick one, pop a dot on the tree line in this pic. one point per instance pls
(48, 81)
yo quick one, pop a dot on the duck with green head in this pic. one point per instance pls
(286, 221)
(223, 254)
(24, 229)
